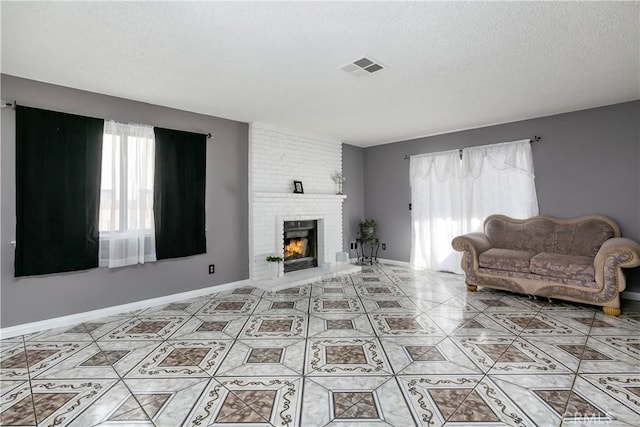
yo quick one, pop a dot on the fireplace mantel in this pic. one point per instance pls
(305, 196)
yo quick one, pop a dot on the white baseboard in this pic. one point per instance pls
(630, 295)
(394, 262)
(74, 319)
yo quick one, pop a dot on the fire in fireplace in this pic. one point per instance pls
(300, 245)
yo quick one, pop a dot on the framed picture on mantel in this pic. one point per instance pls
(297, 187)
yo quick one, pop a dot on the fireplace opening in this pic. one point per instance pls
(300, 245)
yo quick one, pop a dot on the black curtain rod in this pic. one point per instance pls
(8, 104)
(14, 104)
(535, 138)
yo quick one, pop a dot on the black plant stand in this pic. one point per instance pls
(364, 247)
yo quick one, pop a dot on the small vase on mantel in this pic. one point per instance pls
(339, 179)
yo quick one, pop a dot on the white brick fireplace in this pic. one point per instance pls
(277, 157)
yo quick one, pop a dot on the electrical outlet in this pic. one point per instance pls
(384, 246)
(212, 268)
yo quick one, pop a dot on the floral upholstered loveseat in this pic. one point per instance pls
(578, 259)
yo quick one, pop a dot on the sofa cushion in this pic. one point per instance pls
(589, 236)
(564, 266)
(582, 237)
(506, 259)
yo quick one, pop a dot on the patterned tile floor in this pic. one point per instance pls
(388, 346)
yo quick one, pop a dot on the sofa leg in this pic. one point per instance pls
(472, 288)
(611, 311)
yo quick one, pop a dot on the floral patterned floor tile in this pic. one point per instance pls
(390, 346)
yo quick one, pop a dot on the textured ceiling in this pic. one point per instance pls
(451, 65)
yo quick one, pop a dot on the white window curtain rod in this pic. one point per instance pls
(535, 138)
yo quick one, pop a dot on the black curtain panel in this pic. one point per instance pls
(58, 168)
(179, 193)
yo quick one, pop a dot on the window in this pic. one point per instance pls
(126, 222)
(452, 196)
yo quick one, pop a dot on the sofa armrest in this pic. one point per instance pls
(471, 245)
(478, 242)
(614, 254)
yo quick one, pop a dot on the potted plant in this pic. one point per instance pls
(274, 261)
(368, 230)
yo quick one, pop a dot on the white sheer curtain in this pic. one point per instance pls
(436, 197)
(499, 179)
(452, 197)
(126, 198)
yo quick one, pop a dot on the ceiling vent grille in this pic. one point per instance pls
(362, 67)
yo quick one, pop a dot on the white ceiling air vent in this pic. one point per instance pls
(362, 67)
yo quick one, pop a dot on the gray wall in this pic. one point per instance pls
(35, 298)
(353, 207)
(588, 162)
